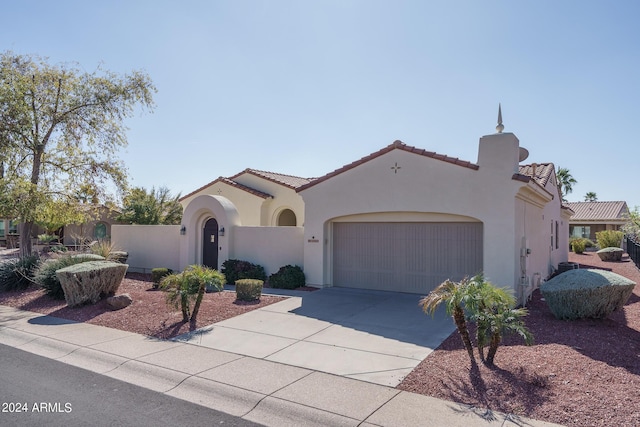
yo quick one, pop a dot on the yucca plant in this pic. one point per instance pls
(189, 285)
(18, 273)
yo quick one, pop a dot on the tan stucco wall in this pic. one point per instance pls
(149, 246)
(270, 247)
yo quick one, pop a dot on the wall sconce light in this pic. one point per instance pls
(221, 231)
(183, 230)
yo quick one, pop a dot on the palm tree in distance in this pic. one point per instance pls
(565, 182)
(590, 197)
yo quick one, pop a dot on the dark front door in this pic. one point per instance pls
(210, 244)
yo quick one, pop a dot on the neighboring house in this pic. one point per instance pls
(592, 217)
(400, 219)
(71, 235)
(97, 228)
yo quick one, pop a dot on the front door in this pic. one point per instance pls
(210, 244)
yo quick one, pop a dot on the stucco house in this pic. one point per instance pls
(592, 217)
(400, 219)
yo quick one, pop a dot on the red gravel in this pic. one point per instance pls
(149, 313)
(579, 373)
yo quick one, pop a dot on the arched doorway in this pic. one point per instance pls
(287, 218)
(210, 244)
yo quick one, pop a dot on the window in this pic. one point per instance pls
(100, 232)
(287, 218)
(13, 227)
(557, 234)
(1, 227)
(551, 234)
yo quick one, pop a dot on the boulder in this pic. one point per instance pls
(610, 254)
(119, 302)
(577, 294)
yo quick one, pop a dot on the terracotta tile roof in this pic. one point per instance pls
(232, 183)
(541, 172)
(598, 211)
(279, 178)
(396, 145)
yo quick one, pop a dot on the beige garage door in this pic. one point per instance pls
(410, 257)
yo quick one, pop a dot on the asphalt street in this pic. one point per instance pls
(36, 391)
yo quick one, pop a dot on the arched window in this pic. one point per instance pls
(287, 218)
(100, 231)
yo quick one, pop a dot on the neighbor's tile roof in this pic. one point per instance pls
(598, 211)
(279, 178)
(232, 183)
(540, 172)
(395, 145)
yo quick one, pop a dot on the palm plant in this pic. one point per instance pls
(452, 294)
(495, 316)
(189, 285)
(565, 182)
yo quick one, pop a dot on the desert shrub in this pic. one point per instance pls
(578, 294)
(45, 274)
(91, 280)
(609, 238)
(248, 289)
(103, 248)
(610, 254)
(189, 285)
(578, 246)
(157, 274)
(118, 256)
(18, 273)
(58, 248)
(47, 238)
(235, 269)
(287, 277)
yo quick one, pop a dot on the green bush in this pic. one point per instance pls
(91, 280)
(609, 238)
(287, 277)
(248, 289)
(578, 246)
(57, 248)
(47, 238)
(577, 294)
(18, 273)
(45, 274)
(157, 274)
(234, 269)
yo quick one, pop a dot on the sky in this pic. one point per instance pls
(305, 87)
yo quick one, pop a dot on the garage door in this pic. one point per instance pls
(410, 257)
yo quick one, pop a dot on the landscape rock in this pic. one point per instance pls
(119, 302)
(610, 254)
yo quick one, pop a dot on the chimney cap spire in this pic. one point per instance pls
(500, 126)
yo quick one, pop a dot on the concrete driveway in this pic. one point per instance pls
(372, 336)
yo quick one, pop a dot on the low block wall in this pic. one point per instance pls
(149, 246)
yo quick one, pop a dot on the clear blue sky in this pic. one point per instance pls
(304, 87)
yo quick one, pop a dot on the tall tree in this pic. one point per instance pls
(151, 207)
(60, 131)
(591, 197)
(565, 182)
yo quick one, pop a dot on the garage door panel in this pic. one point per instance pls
(405, 257)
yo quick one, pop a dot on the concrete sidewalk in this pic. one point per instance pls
(263, 391)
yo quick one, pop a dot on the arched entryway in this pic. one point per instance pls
(287, 218)
(210, 244)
